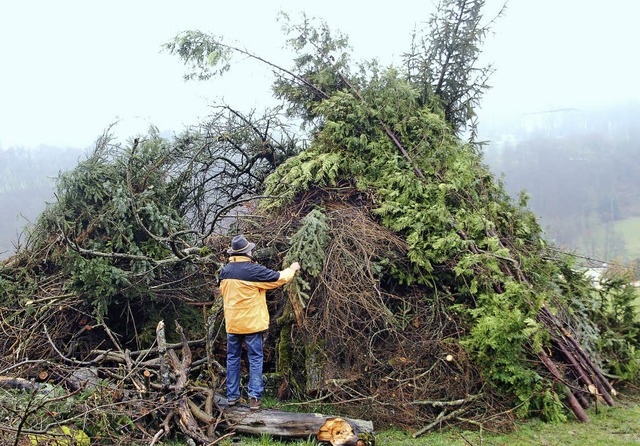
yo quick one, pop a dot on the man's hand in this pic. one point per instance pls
(295, 266)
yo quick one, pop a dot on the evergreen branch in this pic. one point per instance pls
(394, 139)
(114, 255)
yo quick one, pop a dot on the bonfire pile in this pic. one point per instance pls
(394, 351)
(427, 296)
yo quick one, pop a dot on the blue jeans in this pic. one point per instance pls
(234, 354)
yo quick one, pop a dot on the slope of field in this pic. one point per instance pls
(629, 228)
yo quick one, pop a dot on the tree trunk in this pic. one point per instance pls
(282, 424)
(577, 409)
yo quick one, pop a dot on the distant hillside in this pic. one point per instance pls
(582, 170)
(26, 179)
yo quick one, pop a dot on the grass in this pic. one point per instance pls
(629, 228)
(610, 426)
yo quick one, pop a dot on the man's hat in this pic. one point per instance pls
(240, 245)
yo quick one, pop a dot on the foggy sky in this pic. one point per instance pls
(72, 67)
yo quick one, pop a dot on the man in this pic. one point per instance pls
(243, 284)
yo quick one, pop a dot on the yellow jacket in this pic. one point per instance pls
(243, 285)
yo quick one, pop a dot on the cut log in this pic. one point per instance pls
(337, 431)
(282, 424)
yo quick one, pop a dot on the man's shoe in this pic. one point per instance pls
(254, 403)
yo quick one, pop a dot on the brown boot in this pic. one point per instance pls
(254, 403)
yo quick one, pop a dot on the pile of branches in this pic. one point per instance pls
(370, 346)
(64, 373)
(393, 351)
(389, 351)
(65, 376)
(118, 396)
(115, 395)
(426, 295)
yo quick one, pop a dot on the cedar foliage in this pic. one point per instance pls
(484, 290)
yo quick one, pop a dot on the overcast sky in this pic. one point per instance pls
(70, 68)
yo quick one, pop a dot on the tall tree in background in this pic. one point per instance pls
(443, 61)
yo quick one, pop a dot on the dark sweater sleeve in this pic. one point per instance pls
(251, 272)
(260, 273)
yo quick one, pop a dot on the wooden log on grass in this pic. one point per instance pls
(282, 424)
(337, 431)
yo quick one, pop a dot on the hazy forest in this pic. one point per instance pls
(581, 169)
(26, 184)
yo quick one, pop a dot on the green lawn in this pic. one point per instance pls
(629, 228)
(610, 427)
